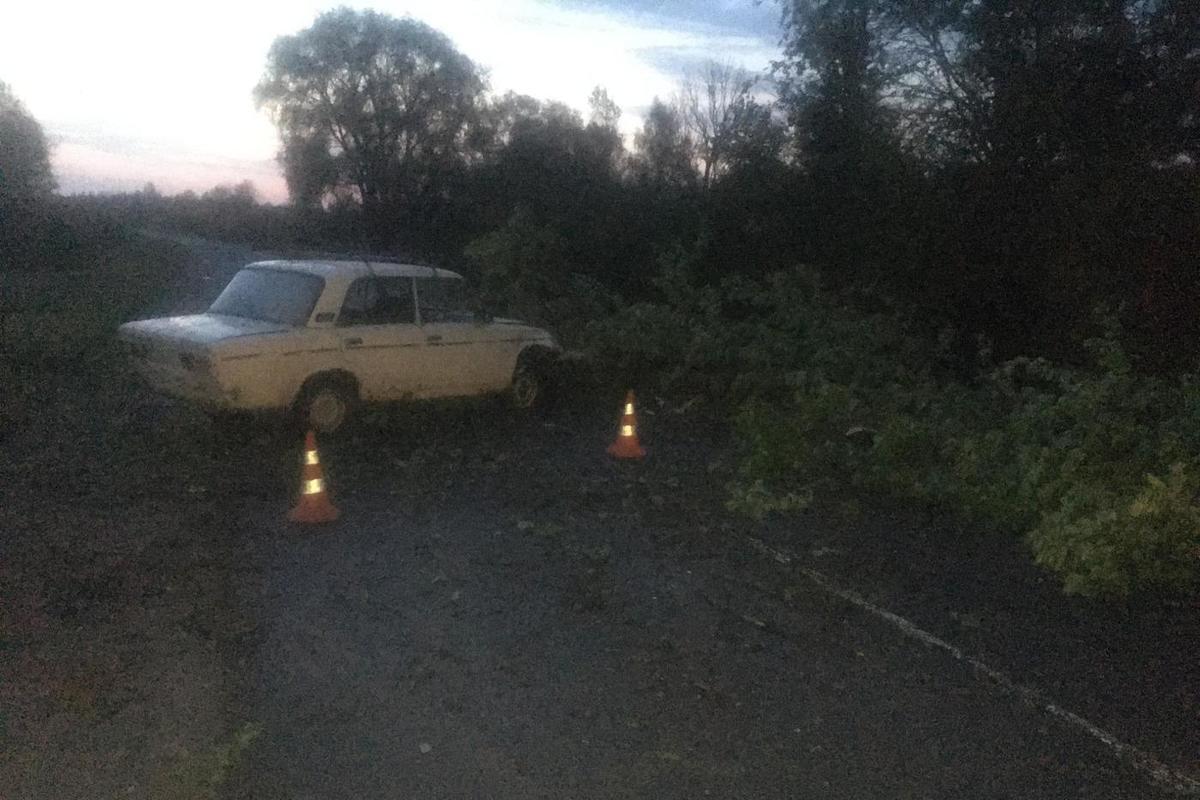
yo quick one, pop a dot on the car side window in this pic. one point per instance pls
(378, 301)
(443, 300)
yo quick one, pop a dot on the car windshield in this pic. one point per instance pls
(270, 295)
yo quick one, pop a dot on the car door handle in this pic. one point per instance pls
(354, 341)
(433, 338)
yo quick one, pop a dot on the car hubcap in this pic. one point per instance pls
(525, 390)
(326, 411)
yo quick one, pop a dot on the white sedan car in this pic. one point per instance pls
(319, 337)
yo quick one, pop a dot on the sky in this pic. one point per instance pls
(131, 92)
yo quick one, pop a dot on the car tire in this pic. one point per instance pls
(326, 407)
(529, 387)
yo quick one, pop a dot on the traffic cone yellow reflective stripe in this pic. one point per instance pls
(627, 444)
(313, 506)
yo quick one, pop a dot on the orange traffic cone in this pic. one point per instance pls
(314, 506)
(627, 445)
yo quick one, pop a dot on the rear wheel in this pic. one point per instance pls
(528, 386)
(327, 407)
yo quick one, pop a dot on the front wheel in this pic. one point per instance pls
(326, 407)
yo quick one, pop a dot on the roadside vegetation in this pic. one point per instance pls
(1096, 463)
(951, 261)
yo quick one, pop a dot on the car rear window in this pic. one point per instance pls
(270, 295)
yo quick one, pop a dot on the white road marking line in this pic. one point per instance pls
(1158, 772)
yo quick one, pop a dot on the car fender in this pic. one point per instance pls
(540, 355)
(341, 377)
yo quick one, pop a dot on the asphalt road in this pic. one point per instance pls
(502, 611)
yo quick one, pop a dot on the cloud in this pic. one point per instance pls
(679, 60)
(752, 18)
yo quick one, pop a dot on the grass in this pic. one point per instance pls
(51, 317)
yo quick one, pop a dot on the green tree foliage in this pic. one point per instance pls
(717, 108)
(34, 234)
(550, 169)
(1034, 86)
(25, 175)
(605, 113)
(834, 86)
(665, 155)
(528, 268)
(1005, 163)
(1095, 464)
(387, 107)
(753, 138)
(833, 82)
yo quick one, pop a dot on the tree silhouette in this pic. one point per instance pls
(713, 104)
(386, 107)
(604, 111)
(665, 154)
(25, 175)
(26, 184)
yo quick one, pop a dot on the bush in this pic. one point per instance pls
(732, 343)
(1113, 540)
(524, 270)
(1096, 464)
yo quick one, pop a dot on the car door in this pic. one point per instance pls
(461, 359)
(381, 342)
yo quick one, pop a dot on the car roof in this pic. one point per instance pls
(356, 269)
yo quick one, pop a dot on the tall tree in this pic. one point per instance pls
(550, 169)
(26, 183)
(714, 103)
(25, 175)
(1056, 144)
(385, 106)
(833, 84)
(1027, 85)
(604, 110)
(665, 154)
